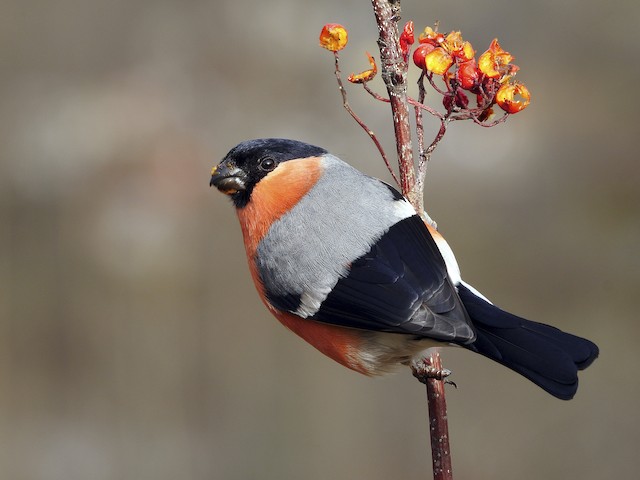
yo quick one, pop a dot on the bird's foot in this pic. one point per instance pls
(423, 371)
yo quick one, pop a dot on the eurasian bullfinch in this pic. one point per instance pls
(343, 260)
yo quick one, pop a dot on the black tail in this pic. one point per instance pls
(545, 355)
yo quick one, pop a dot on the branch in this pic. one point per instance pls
(490, 80)
(425, 153)
(438, 424)
(394, 73)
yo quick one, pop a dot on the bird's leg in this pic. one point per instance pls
(423, 371)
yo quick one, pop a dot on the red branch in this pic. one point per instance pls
(438, 424)
(394, 74)
(394, 71)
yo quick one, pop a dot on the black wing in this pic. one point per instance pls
(401, 285)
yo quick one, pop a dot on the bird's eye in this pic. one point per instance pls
(267, 164)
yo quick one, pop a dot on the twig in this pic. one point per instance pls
(394, 74)
(435, 87)
(498, 121)
(422, 158)
(364, 126)
(375, 95)
(425, 153)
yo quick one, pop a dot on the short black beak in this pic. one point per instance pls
(228, 179)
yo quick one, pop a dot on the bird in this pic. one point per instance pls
(343, 260)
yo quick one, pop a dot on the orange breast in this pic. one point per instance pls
(274, 196)
(271, 198)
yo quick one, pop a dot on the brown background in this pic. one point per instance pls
(132, 344)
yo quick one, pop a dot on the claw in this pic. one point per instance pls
(422, 371)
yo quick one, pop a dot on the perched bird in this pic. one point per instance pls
(344, 261)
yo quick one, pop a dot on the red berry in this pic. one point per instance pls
(468, 75)
(420, 53)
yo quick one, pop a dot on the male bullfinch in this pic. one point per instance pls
(344, 261)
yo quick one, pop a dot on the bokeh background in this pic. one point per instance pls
(132, 344)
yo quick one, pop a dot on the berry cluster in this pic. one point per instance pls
(490, 78)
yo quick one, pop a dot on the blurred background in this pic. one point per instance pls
(132, 343)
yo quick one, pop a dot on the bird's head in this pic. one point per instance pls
(249, 162)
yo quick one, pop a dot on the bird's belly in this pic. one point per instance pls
(381, 352)
(367, 352)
